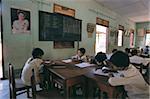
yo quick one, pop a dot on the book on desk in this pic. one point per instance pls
(84, 64)
(58, 66)
(100, 72)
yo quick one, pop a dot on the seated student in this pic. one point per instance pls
(130, 77)
(113, 51)
(100, 58)
(146, 50)
(80, 55)
(33, 62)
(127, 50)
(135, 58)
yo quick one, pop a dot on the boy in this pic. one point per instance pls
(32, 63)
(80, 55)
(130, 77)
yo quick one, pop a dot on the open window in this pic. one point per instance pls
(101, 39)
(120, 35)
(101, 35)
(147, 39)
(131, 38)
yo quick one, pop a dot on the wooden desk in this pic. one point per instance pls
(69, 76)
(102, 83)
(72, 75)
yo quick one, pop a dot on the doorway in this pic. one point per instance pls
(147, 41)
(101, 39)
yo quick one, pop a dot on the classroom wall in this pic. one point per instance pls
(18, 47)
(141, 40)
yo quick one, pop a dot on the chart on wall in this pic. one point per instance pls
(58, 27)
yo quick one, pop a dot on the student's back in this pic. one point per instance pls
(135, 58)
(32, 63)
(130, 77)
(27, 70)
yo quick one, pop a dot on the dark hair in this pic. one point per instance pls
(147, 46)
(127, 50)
(114, 50)
(120, 59)
(37, 52)
(134, 52)
(100, 56)
(82, 50)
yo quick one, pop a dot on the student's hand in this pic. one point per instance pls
(110, 75)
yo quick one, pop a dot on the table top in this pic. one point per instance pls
(71, 70)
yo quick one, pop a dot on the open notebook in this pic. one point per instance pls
(100, 72)
(67, 60)
(84, 64)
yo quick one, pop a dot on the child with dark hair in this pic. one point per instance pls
(130, 77)
(80, 55)
(136, 59)
(33, 62)
(127, 50)
(146, 50)
(100, 58)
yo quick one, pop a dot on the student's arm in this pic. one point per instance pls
(38, 63)
(116, 81)
(84, 58)
(126, 77)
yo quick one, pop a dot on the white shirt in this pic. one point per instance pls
(109, 55)
(27, 70)
(83, 58)
(137, 59)
(133, 82)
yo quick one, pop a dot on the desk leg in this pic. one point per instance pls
(111, 94)
(90, 90)
(66, 90)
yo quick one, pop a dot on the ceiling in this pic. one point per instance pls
(135, 10)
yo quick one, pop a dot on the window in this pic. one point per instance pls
(120, 34)
(147, 39)
(131, 39)
(101, 39)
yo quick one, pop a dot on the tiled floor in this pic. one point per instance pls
(4, 92)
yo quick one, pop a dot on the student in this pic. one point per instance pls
(127, 50)
(80, 55)
(100, 58)
(113, 51)
(146, 50)
(135, 58)
(33, 62)
(130, 77)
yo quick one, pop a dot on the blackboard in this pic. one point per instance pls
(58, 27)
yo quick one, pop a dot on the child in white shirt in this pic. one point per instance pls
(135, 58)
(80, 55)
(33, 62)
(131, 78)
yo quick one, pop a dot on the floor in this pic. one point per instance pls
(4, 92)
(53, 94)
